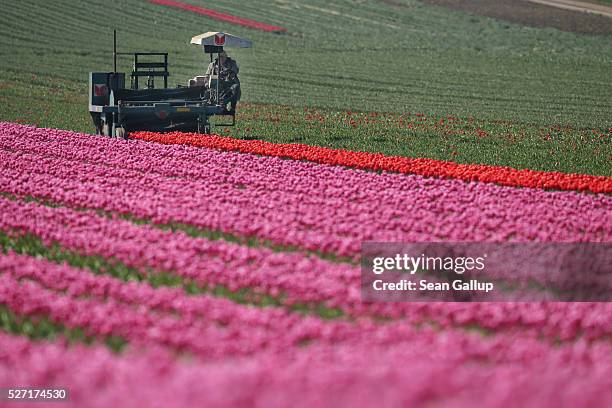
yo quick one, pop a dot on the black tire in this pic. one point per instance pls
(97, 121)
(205, 129)
(203, 126)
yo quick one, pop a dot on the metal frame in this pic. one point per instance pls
(111, 116)
(137, 72)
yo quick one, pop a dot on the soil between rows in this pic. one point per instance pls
(533, 15)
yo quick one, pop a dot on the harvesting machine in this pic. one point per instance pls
(117, 110)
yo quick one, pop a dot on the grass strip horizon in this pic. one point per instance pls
(220, 16)
(506, 176)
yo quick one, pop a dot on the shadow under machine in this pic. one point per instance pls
(117, 110)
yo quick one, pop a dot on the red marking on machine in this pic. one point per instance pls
(162, 114)
(219, 39)
(100, 90)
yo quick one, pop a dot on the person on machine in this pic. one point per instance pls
(229, 84)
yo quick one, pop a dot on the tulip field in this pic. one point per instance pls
(182, 270)
(227, 269)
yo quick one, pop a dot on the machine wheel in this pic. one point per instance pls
(121, 133)
(97, 120)
(203, 126)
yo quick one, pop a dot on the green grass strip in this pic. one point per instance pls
(43, 328)
(443, 137)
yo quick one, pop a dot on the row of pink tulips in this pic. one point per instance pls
(292, 202)
(440, 371)
(244, 355)
(210, 327)
(105, 306)
(302, 278)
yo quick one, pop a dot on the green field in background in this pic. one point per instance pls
(442, 137)
(338, 56)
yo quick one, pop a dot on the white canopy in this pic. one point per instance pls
(221, 39)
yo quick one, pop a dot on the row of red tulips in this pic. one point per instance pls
(379, 162)
(219, 16)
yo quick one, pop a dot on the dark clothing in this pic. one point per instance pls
(229, 84)
(230, 66)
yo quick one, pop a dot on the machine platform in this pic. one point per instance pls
(117, 110)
